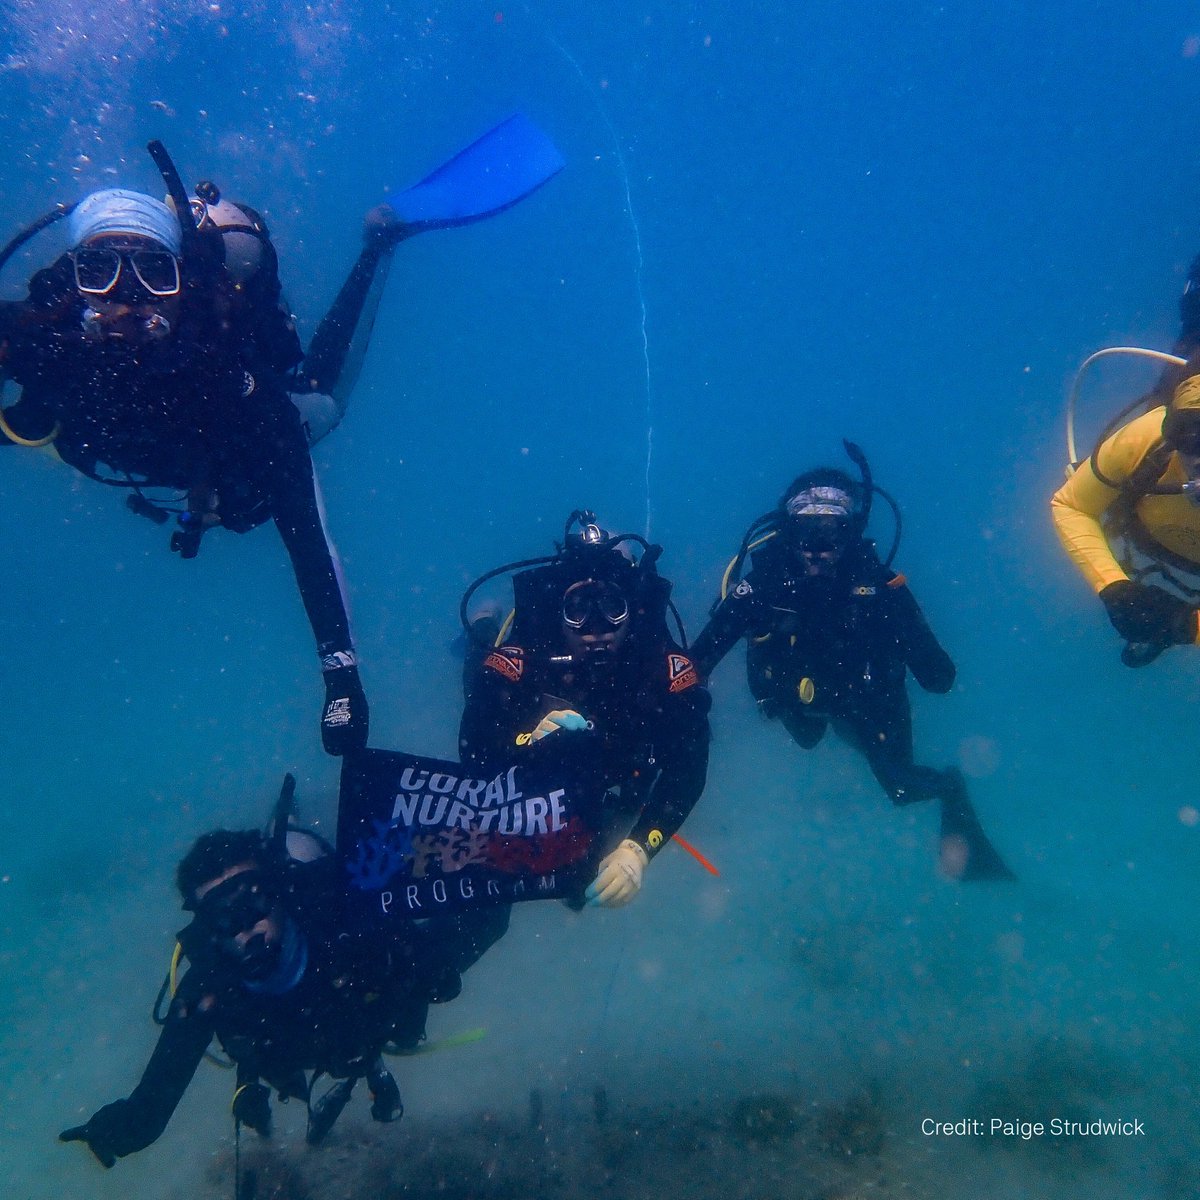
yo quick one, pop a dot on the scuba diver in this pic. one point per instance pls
(132, 363)
(833, 632)
(287, 989)
(585, 666)
(158, 353)
(321, 379)
(1130, 511)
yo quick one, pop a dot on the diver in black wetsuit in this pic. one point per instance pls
(284, 986)
(833, 632)
(319, 380)
(143, 360)
(587, 666)
(159, 353)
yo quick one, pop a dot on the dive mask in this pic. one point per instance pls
(819, 534)
(98, 269)
(592, 600)
(236, 905)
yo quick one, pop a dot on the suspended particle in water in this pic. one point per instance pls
(978, 756)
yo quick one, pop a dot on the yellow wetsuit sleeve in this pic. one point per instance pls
(1079, 504)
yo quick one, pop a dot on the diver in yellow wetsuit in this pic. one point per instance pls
(1132, 511)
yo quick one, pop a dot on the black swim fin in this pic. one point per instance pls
(965, 853)
(324, 1112)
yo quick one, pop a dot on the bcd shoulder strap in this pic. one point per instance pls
(1121, 515)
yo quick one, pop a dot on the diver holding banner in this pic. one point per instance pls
(307, 965)
(419, 837)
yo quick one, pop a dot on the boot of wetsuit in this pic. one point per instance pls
(385, 1095)
(252, 1107)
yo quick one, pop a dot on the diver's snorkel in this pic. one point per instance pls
(859, 459)
(870, 490)
(179, 198)
(474, 634)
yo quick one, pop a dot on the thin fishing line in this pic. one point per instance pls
(631, 213)
(601, 1033)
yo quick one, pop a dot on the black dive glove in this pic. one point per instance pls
(383, 228)
(252, 1107)
(345, 717)
(109, 1134)
(1144, 613)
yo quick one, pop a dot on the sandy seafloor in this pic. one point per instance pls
(746, 1036)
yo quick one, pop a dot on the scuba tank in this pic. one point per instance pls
(251, 264)
(292, 844)
(247, 244)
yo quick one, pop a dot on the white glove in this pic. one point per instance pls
(552, 722)
(620, 876)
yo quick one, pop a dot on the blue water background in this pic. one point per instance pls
(900, 224)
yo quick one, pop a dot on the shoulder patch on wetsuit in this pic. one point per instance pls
(743, 589)
(681, 674)
(898, 580)
(508, 661)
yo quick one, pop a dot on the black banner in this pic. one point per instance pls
(419, 836)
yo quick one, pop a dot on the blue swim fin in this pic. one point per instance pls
(490, 175)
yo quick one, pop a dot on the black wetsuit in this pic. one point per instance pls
(650, 718)
(648, 747)
(851, 639)
(204, 410)
(358, 992)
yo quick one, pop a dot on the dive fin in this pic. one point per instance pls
(323, 1113)
(965, 853)
(1141, 654)
(491, 174)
